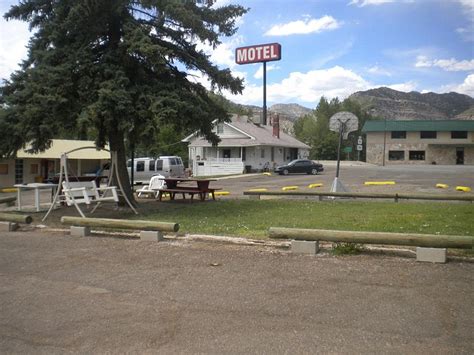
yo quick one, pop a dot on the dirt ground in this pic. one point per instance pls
(119, 295)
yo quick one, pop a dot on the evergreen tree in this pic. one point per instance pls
(114, 70)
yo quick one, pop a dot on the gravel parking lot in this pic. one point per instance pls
(62, 294)
(408, 178)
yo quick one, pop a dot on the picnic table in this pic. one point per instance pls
(188, 186)
(36, 187)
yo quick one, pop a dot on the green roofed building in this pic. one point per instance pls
(420, 142)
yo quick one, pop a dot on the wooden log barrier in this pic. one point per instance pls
(17, 218)
(121, 224)
(420, 240)
(7, 199)
(395, 196)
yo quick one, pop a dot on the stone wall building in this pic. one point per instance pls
(420, 142)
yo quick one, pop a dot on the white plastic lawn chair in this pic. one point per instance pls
(157, 183)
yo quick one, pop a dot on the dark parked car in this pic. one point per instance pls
(300, 166)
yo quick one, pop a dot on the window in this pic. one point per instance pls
(220, 128)
(399, 134)
(226, 153)
(34, 169)
(151, 165)
(458, 134)
(428, 134)
(262, 153)
(396, 155)
(417, 155)
(159, 164)
(140, 165)
(3, 169)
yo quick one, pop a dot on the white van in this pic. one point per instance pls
(145, 168)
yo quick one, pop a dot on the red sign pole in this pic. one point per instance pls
(264, 93)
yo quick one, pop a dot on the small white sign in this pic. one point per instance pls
(359, 147)
(359, 141)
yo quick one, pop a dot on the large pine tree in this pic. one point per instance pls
(114, 69)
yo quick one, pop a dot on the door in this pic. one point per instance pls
(460, 156)
(299, 167)
(159, 167)
(176, 167)
(226, 153)
(18, 171)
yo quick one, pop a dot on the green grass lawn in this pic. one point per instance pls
(252, 218)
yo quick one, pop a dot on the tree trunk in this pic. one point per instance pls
(116, 140)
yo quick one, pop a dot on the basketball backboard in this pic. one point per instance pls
(345, 120)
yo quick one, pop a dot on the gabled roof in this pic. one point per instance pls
(415, 126)
(258, 135)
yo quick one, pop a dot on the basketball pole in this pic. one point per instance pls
(341, 130)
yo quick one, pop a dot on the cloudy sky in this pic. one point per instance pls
(332, 47)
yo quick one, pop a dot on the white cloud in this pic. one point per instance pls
(13, 41)
(423, 62)
(306, 87)
(259, 73)
(220, 3)
(468, 9)
(362, 3)
(223, 54)
(305, 26)
(468, 6)
(376, 70)
(466, 87)
(405, 87)
(445, 64)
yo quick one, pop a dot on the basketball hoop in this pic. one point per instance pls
(344, 123)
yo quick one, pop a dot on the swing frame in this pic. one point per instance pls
(64, 177)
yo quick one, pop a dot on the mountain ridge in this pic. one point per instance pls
(382, 103)
(397, 105)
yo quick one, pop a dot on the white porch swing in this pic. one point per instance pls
(87, 192)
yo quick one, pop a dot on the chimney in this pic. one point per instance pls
(276, 126)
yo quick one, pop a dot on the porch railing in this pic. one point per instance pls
(224, 160)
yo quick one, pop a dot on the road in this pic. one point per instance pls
(115, 295)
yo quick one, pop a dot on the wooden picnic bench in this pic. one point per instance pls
(188, 190)
(201, 188)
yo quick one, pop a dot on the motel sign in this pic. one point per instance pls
(259, 53)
